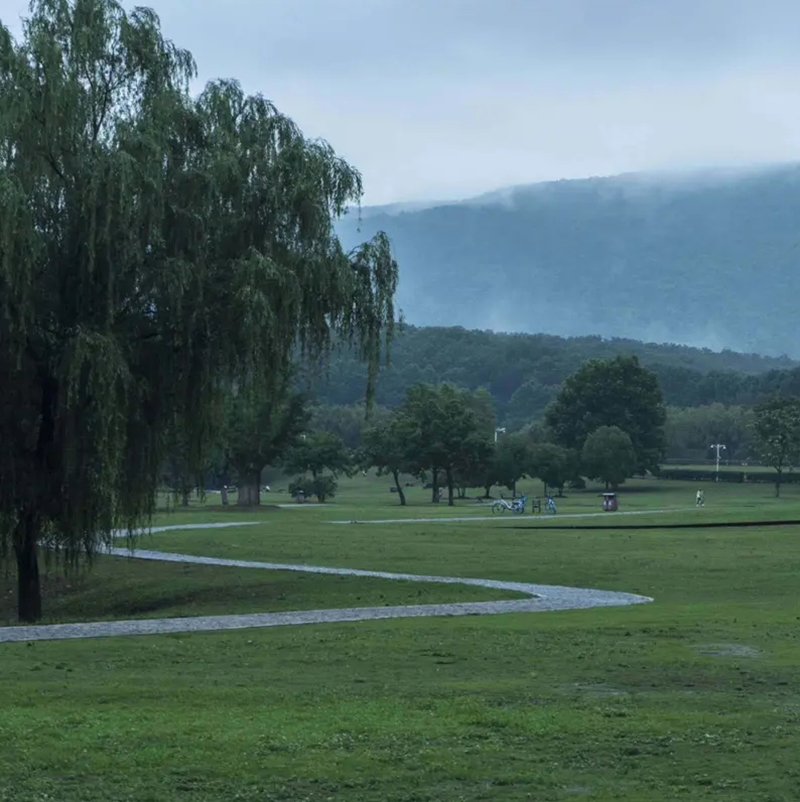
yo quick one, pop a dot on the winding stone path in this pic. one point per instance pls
(541, 598)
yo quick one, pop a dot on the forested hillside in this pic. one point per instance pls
(707, 260)
(523, 372)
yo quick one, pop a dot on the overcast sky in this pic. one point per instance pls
(441, 99)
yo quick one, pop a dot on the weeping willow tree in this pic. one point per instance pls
(155, 249)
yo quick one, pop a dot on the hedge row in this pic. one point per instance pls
(737, 477)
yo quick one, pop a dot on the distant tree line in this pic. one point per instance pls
(523, 373)
(608, 422)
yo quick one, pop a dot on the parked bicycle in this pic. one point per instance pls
(517, 506)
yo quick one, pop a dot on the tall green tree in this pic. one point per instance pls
(446, 431)
(553, 464)
(317, 452)
(261, 427)
(474, 466)
(777, 431)
(349, 421)
(511, 460)
(608, 455)
(387, 446)
(314, 454)
(612, 392)
(154, 249)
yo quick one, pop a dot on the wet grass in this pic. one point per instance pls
(695, 696)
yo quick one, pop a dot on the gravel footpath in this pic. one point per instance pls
(542, 598)
(543, 519)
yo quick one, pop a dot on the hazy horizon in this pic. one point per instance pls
(690, 176)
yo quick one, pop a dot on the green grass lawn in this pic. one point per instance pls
(122, 589)
(695, 696)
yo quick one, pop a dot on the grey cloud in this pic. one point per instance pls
(445, 98)
(301, 34)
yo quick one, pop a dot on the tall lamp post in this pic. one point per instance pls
(499, 430)
(718, 447)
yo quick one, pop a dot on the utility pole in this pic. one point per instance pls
(718, 447)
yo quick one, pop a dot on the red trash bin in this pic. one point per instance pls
(610, 503)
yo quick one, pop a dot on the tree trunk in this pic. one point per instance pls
(435, 487)
(401, 495)
(185, 497)
(29, 592)
(249, 490)
(488, 491)
(514, 489)
(450, 501)
(778, 484)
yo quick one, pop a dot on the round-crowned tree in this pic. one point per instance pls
(608, 455)
(612, 392)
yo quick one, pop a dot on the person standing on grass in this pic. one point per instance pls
(700, 499)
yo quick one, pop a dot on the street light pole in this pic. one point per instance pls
(718, 447)
(498, 431)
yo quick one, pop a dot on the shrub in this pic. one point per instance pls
(321, 487)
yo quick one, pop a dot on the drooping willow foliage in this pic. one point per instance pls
(154, 249)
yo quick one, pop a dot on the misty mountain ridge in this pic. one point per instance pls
(702, 258)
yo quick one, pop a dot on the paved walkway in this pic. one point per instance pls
(541, 598)
(543, 519)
